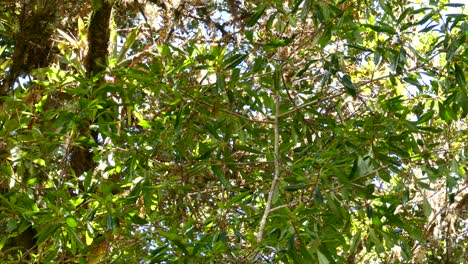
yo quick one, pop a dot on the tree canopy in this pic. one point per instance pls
(238, 131)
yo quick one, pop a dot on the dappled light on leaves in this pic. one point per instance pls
(233, 131)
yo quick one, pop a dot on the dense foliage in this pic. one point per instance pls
(236, 131)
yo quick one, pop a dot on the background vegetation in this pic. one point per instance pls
(236, 131)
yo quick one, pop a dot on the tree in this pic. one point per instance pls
(239, 131)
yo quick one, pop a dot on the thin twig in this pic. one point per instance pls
(204, 104)
(261, 229)
(295, 109)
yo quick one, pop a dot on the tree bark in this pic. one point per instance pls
(32, 50)
(98, 42)
(33, 43)
(98, 39)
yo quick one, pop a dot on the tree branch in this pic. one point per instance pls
(295, 109)
(261, 229)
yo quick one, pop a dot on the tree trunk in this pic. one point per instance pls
(32, 50)
(32, 42)
(98, 42)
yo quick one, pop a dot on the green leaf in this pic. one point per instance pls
(454, 5)
(76, 237)
(322, 258)
(387, 8)
(253, 20)
(70, 39)
(445, 112)
(71, 222)
(112, 221)
(404, 15)
(459, 75)
(45, 232)
(39, 161)
(377, 242)
(238, 198)
(218, 172)
(247, 149)
(231, 62)
(277, 43)
(427, 208)
(318, 197)
(96, 5)
(145, 124)
(428, 28)
(381, 28)
(305, 68)
(325, 37)
(355, 242)
(220, 83)
(294, 187)
(425, 18)
(11, 125)
(426, 117)
(355, 169)
(406, 250)
(2, 49)
(128, 44)
(377, 56)
(276, 80)
(295, 179)
(348, 84)
(457, 169)
(249, 35)
(369, 211)
(176, 239)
